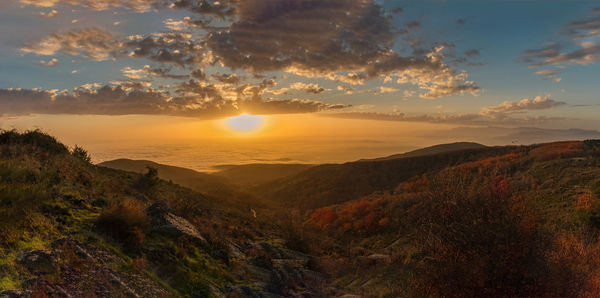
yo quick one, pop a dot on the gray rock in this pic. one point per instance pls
(38, 261)
(162, 220)
(12, 294)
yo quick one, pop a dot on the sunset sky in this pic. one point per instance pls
(385, 76)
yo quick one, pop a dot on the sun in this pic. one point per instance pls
(245, 123)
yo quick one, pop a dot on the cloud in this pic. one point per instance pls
(472, 52)
(93, 43)
(408, 93)
(309, 88)
(289, 106)
(574, 50)
(513, 107)
(51, 62)
(148, 72)
(467, 119)
(138, 5)
(51, 14)
(364, 107)
(550, 74)
(413, 25)
(345, 89)
(382, 90)
(347, 41)
(402, 117)
(178, 48)
(231, 79)
(194, 99)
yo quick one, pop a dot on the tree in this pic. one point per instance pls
(81, 154)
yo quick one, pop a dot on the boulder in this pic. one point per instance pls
(162, 220)
(38, 261)
(12, 294)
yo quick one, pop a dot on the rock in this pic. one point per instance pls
(162, 220)
(38, 261)
(126, 290)
(46, 287)
(12, 294)
(379, 257)
(246, 291)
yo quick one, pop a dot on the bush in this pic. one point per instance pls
(125, 222)
(148, 181)
(35, 138)
(477, 240)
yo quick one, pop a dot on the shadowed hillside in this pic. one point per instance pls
(255, 174)
(334, 183)
(202, 182)
(432, 150)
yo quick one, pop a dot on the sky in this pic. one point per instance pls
(332, 80)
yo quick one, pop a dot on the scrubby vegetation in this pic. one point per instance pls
(503, 221)
(519, 223)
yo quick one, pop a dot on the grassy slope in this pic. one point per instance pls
(47, 194)
(369, 237)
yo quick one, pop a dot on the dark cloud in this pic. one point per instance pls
(126, 98)
(472, 52)
(171, 47)
(231, 79)
(413, 25)
(349, 41)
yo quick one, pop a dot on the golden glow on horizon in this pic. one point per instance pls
(245, 123)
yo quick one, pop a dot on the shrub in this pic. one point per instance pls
(125, 222)
(35, 138)
(148, 181)
(476, 239)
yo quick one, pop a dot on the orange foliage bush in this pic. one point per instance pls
(490, 163)
(364, 216)
(125, 222)
(557, 150)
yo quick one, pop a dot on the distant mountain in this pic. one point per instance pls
(206, 183)
(255, 174)
(442, 148)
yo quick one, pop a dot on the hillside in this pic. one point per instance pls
(335, 183)
(432, 150)
(514, 221)
(255, 174)
(206, 183)
(520, 223)
(73, 229)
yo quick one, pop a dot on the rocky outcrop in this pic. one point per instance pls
(38, 261)
(162, 220)
(12, 294)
